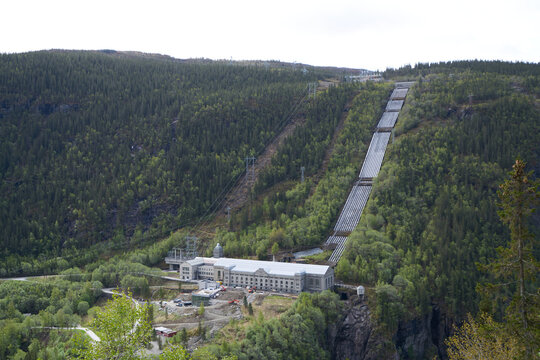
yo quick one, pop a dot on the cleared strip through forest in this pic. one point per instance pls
(359, 194)
(235, 193)
(240, 193)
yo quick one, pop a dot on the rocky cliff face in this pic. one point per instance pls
(423, 338)
(354, 337)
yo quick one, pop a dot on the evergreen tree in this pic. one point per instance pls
(149, 312)
(184, 337)
(201, 309)
(516, 264)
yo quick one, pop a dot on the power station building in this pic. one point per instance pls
(265, 275)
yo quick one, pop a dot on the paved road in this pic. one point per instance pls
(29, 278)
(88, 332)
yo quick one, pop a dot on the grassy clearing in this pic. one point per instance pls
(234, 331)
(274, 305)
(269, 307)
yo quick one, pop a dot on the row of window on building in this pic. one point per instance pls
(237, 280)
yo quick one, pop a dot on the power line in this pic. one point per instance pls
(278, 130)
(250, 169)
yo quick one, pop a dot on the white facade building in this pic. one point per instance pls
(264, 275)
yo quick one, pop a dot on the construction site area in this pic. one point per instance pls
(220, 308)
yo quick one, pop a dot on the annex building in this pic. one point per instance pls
(265, 275)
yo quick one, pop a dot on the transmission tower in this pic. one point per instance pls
(188, 252)
(191, 247)
(250, 169)
(312, 89)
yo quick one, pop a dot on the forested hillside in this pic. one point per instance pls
(100, 146)
(298, 215)
(104, 148)
(432, 215)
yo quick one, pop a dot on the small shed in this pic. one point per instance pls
(163, 331)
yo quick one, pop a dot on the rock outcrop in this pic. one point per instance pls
(423, 337)
(355, 336)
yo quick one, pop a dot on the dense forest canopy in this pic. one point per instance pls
(432, 215)
(97, 146)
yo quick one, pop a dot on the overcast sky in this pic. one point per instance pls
(373, 34)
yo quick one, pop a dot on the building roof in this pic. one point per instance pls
(271, 267)
(164, 329)
(202, 261)
(206, 292)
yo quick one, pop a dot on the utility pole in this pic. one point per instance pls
(302, 169)
(250, 169)
(228, 213)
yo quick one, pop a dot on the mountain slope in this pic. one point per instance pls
(97, 146)
(432, 215)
